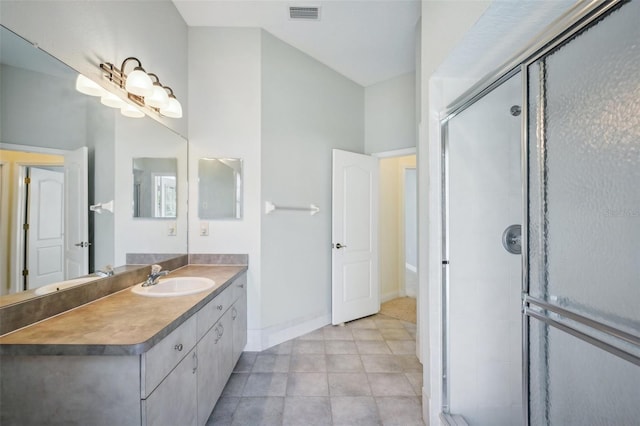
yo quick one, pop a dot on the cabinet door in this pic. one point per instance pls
(174, 401)
(239, 318)
(211, 360)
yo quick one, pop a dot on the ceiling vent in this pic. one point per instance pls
(304, 13)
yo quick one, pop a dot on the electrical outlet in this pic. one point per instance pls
(204, 229)
(171, 229)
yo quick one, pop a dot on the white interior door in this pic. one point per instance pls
(76, 241)
(45, 235)
(355, 286)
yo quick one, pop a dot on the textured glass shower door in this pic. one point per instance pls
(583, 300)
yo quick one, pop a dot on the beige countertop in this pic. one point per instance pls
(122, 323)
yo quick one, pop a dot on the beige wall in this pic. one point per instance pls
(391, 225)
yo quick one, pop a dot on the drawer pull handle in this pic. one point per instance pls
(241, 285)
(222, 332)
(234, 313)
(219, 307)
(178, 347)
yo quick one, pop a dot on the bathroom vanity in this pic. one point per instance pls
(128, 359)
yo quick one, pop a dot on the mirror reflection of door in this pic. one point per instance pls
(44, 216)
(44, 226)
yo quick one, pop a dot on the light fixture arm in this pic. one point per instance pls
(170, 90)
(150, 74)
(131, 58)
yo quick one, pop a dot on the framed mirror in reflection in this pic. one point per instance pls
(155, 187)
(76, 153)
(219, 188)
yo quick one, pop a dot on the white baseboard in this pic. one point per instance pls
(259, 340)
(425, 407)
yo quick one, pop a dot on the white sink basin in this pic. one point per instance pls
(52, 288)
(178, 286)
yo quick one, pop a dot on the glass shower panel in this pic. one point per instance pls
(585, 149)
(484, 198)
(577, 393)
(584, 226)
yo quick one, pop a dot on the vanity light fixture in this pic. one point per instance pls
(159, 97)
(142, 90)
(138, 81)
(173, 108)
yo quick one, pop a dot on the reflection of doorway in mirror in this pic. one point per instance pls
(44, 226)
(4, 226)
(61, 209)
(164, 201)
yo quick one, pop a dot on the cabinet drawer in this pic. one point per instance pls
(212, 311)
(158, 361)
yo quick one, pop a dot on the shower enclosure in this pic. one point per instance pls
(550, 336)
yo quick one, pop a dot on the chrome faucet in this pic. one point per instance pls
(106, 272)
(154, 276)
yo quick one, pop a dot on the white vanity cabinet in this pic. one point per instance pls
(217, 350)
(176, 382)
(168, 378)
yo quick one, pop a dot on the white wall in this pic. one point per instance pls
(307, 109)
(443, 25)
(224, 100)
(133, 138)
(83, 34)
(484, 279)
(390, 114)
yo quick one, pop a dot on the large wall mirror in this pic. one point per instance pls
(219, 188)
(60, 153)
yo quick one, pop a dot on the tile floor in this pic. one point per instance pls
(364, 373)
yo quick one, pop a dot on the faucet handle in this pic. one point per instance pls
(155, 269)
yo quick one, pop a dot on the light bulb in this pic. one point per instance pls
(139, 83)
(131, 111)
(111, 100)
(173, 108)
(88, 87)
(159, 98)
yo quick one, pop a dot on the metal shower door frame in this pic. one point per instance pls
(577, 18)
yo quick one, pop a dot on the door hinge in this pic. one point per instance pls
(445, 262)
(25, 272)
(25, 227)
(27, 180)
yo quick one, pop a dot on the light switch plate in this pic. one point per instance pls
(204, 229)
(171, 229)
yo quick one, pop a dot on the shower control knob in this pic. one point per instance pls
(512, 239)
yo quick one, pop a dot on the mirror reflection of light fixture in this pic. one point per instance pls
(131, 111)
(111, 100)
(88, 87)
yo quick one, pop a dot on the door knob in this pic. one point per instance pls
(339, 246)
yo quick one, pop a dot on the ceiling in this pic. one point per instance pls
(368, 41)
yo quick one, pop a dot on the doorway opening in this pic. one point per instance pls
(398, 234)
